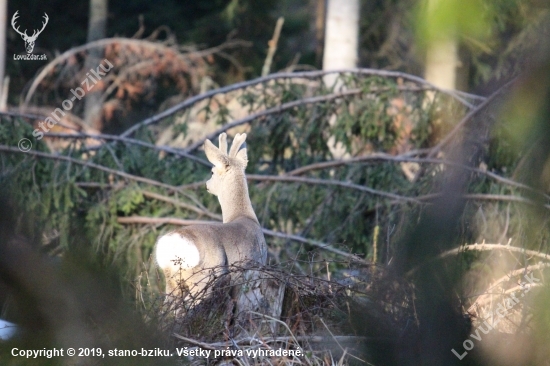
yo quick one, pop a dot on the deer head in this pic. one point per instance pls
(29, 40)
(228, 180)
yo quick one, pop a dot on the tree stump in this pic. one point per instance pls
(258, 301)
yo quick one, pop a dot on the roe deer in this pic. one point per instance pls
(191, 255)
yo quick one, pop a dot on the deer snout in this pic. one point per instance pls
(213, 184)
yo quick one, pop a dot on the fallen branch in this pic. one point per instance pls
(483, 247)
(274, 110)
(503, 197)
(255, 177)
(329, 182)
(315, 243)
(408, 157)
(126, 140)
(291, 75)
(487, 197)
(160, 197)
(161, 221)
(34, 116)
(195, 342)
(88, 165)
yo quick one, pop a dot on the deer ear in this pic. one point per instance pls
(215, 156)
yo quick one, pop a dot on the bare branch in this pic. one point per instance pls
(409, 157)
(161, 221)
(34, 116)
(196, 343)
(502, 197)
(227, 44)
(487, 197)
(315, 243)
(177, 203)
(89, 165)
(292, 75)
(360, 159)
(274, 110)
(328, 164)
(253, 177)
(483, 247)
(82, 135)
(329, 182)
(272, 46)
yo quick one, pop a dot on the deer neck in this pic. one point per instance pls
(235, 202)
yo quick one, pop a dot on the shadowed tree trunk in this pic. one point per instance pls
(320, 18)
(3, 22)
(97, 26)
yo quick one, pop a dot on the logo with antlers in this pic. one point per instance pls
(29, 40)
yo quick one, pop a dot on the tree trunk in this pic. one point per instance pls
(442, 55)
(3, 23)
(341, 43)
(97, 27)
(320, 19)
(441, 63)
(341, 36)
(259, 300)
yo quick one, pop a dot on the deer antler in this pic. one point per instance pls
(13, 19)
(35, 35)
(24, 34)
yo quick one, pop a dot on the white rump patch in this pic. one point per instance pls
(176, 250)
